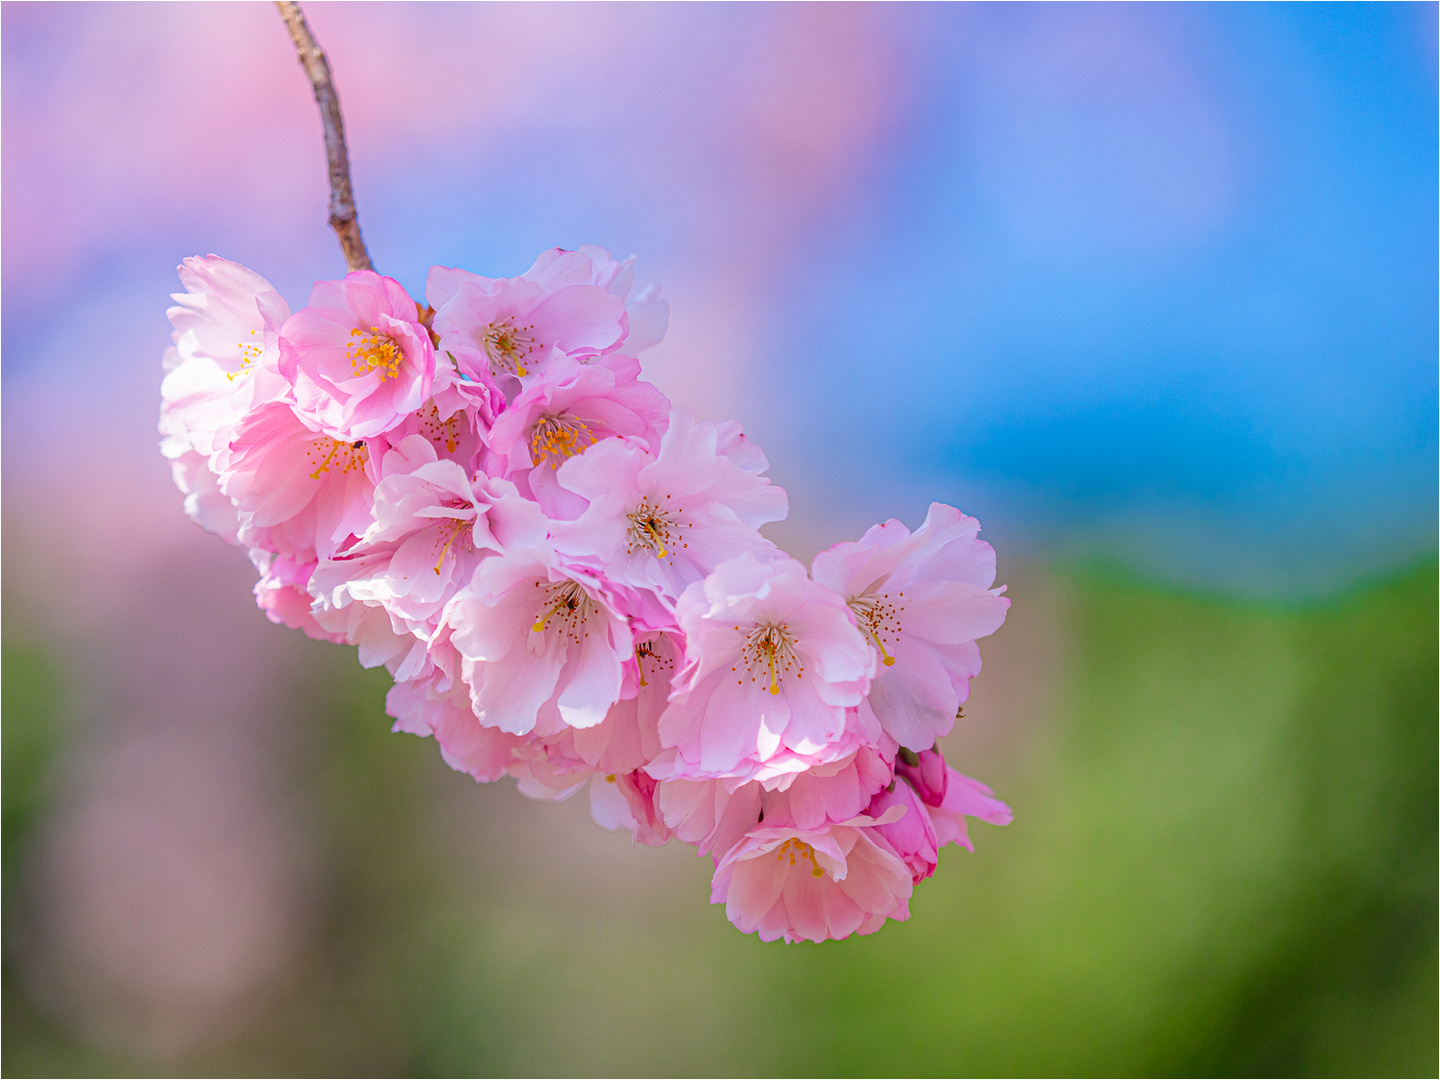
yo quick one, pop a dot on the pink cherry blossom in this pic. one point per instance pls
(227, 333)
(542, 642)
(827, 793)
(629, 738)
(964, 798)
(205, 504)
(813, 884)
(456, 420)
(922, 599)
(713, 815)
(772, 662)
(357, 356)
(912, 836)
(563, 413)
(299, 493)
(227, 329)
(565, 577)
(790, 789)
(510, 327)
(431, 527)
(380, 640)
(663, 521)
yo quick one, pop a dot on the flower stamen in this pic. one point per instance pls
(568, 602)
(249, 353)
(454, 527)
(374, 352)
(771, 648)
(879, 619)
(555, 439)
(507, 345)
(324, 452)
(801, 850)
(653, 525)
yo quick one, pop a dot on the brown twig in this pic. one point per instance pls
(342, 199)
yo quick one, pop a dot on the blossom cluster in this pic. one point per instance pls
(565, 575)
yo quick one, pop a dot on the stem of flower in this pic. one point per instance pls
(342, 200)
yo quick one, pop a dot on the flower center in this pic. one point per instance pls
(798, 849)
(440, 432)
(879, 617)
(374, 352)
(566, 603)
(249, 353)
(326, 453)
(650, 650)
(653, 525)
(770, 650)
(507, 345)
(553, 439)
(448, 531)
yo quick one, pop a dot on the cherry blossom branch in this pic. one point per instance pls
(342, 200)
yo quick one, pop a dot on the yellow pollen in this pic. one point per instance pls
(249, 353)
(325, 453)
(649, 650)
(440, 432)
(455, 527)
(654, 524)
(568, 603)
(554, 439)
(374, 352)
(771, 648)
(795, 847)
(507, 345)
(879, 618)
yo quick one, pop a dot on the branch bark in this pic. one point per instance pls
(342, 199)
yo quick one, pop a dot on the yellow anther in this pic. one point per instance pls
(374, 352)
(507, 345)
(555, 439)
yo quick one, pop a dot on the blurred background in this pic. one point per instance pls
(1150, 290)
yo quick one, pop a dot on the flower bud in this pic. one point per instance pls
(926, 773)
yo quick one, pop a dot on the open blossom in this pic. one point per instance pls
(813, 884)
(716, 814)
(456, 421)
(283, 593)
(772, 661)
(664, 521)
(227, 330)
(431, 528)
(357, 357)
(543, 642)
(921, 599)
(510, 327)
(227, 336)
(570, 409)
(565, 578)
(299, 493)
